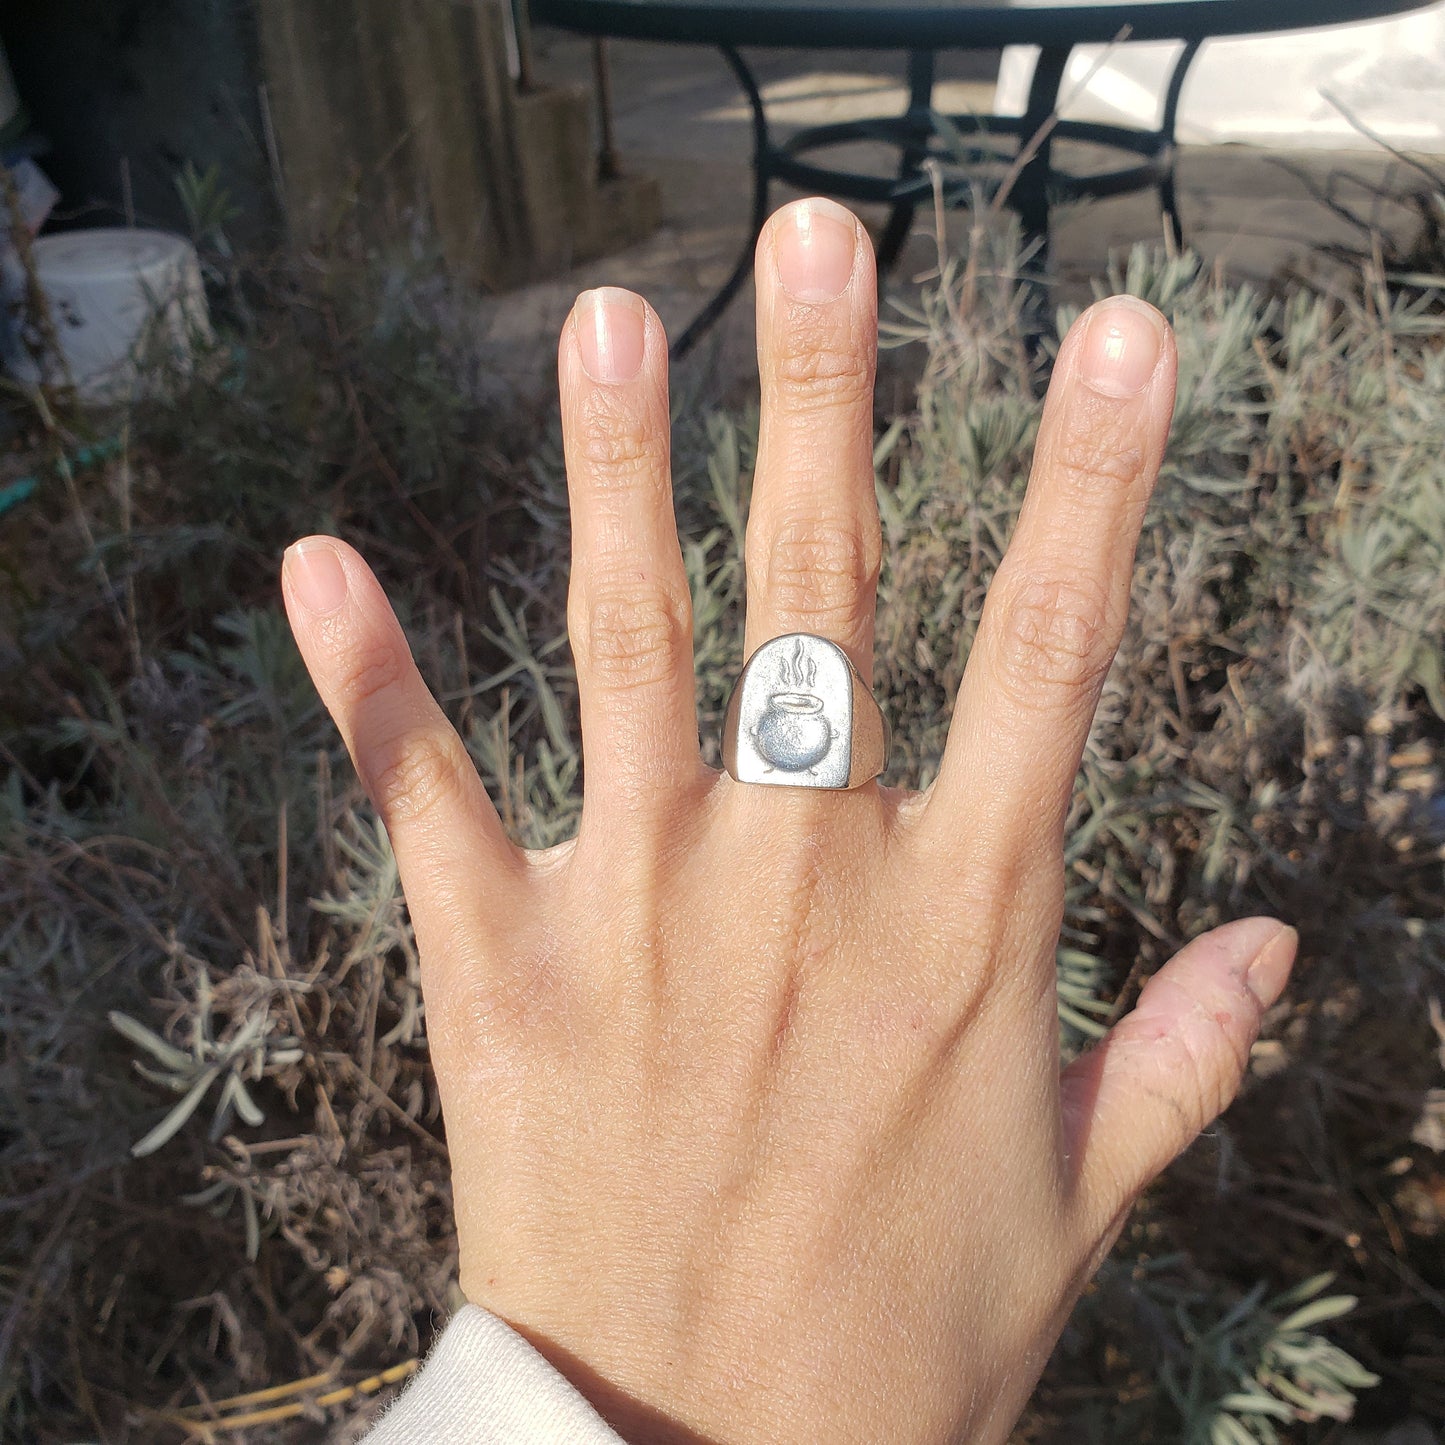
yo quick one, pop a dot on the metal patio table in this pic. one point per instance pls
(922, 28)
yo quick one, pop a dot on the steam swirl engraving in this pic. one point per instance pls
(793, 734)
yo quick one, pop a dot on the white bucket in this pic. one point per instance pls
(128, 307)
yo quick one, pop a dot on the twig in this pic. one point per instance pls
(279, 971)
(1328, 1227)
(373, 1006)
(273, 153)
(1181, 690)
(388, 1103)
(1032, 146)
(1404, 157)
(191, 1419)
(283, 858)
(132, 624)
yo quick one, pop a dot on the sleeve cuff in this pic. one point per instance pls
(483, 1384)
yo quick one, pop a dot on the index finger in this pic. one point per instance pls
(456, 864)
(1056, 609)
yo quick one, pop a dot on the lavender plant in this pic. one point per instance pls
(181, 841)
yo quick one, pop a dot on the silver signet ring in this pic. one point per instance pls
(802, 717)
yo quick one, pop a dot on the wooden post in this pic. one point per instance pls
(396, 114)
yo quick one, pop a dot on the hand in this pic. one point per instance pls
(752, 1093)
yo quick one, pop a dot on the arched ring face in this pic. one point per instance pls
(794, 717)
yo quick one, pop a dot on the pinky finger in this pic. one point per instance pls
(1172, 1066)
(451, 851)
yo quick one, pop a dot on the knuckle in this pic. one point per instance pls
(1054, 639)
(614, 447)
(1212, 1053)
(368, 667)
(1203, 1095)
(636, 639)
(1098, 458)
(1218, 1059)
(817, 368)
(1198, 1094)
(417, 774)
(824, 571)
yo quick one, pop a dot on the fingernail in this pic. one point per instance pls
(611, 333)
(318, 580)
(1269, 971)
(1120, 347)
(815, 247)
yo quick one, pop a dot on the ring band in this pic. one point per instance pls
(802, 717)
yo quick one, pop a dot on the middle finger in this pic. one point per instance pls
(813, 541)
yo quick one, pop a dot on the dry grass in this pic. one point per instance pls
(183, 849)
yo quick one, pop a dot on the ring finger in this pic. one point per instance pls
(1056, 608)
(813, 541)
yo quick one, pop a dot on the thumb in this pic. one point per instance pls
(1173, 1065)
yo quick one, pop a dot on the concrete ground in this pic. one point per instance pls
(680, 118)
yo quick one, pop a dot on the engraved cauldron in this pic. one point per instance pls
(793, 733)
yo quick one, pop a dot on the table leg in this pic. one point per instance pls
(609, 167)
(921, 70)
(1030, 198)
(762, 174)
(1167, 199)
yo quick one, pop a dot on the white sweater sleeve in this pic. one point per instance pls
(483, 1384)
